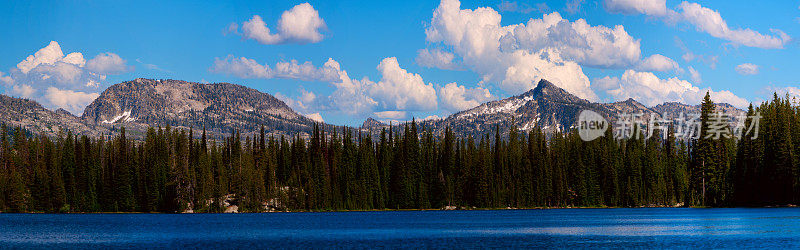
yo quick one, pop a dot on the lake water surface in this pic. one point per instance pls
(556, 228)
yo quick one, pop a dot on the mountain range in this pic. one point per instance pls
(547, 107)
(221, 108)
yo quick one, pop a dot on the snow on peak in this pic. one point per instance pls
(504, 106)
(124, 117)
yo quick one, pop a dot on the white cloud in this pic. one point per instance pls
(594, 46)
(647, 88)
(60, 71)
(401, 90)
(711, 22)
(300, 24)
(436, 58)
(747, 69)
(792, 92)
(256, 29)
(22, 90)
(107, 63)
(50, 54)
(606, 83)
(397, 90)
(307, 71)
(432, 117)
(518, 55)
(647, 7)
(240, 67)
(456, 97)
(6, 79)
(72, 101)
(248, 68)
(305, 103)
(61, 81)
(694, 75)
(657, 62)
(316, 117)
(527, 69)
(392, 114)
(703, 19)
(351, 96)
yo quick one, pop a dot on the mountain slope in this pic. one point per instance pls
(223, 107)
(219, 107)
(547, 107)
(31, 116)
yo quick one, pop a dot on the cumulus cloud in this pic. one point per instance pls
(457, 97)
(72, 101)
(351, 95)
(305, 103)
(647, 7)
(391, 115)
(50, 55)
(703, 19)
(316, 117)
(647, 88)
(606, 83)
(526, 69)
(657, 62)
(300, 24)
(401, 90)
(518, 55)
(432, 117)
(248, 68)
(57, 80)
(436, 58)
(791, 92)
(398, 89)
(595, 46)
(240, 67)
(747, 69)
(23, 90)
(107, 63)
(256, 29)
(6, 79)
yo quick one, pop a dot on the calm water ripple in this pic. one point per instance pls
(554, 228)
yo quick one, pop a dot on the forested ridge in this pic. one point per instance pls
(406, 167)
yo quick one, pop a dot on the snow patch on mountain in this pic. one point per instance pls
(125, 117)
(503, 106)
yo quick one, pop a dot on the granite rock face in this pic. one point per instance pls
(219, 107)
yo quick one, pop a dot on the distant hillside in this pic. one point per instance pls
(219, 107)
(223, 107)
(548, 107)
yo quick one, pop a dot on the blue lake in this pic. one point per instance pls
(555, 228)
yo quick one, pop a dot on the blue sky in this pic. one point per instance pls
(402, 59)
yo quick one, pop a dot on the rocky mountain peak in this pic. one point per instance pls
(372, 123)
(219, 106)
(546, 90)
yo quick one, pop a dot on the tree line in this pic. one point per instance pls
(405, 167)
